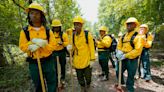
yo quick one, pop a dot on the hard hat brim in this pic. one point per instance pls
(56, 25)
(27, 10)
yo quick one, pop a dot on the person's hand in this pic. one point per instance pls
(122, 57)
(98, 39)
(33, 47)
(40, 42)
(60, 43)
(119, 54)
(69, 47)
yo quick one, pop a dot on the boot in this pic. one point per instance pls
(101, 75)
(82, 89)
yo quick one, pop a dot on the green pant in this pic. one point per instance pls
(49, 73)
(103, 61)
(62, 60)
(146, 64)
(130, 65)
(111, 59)
(84, 76)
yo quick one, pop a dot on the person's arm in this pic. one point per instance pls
(23, 42)
(51, 44)
(138, 46)
(91, 46)
(149, 41)
(65, 40)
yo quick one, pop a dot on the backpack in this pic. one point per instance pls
(113, 46)
(61, 37)
(131, 40)
(25, 29)
(86, 37)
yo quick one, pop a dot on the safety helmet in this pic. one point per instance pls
(35, 6)
(145, 26)
(56, 23)
(132, 20)
(78, 19)
(103, 28)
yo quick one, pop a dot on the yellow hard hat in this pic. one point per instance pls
(35, 6)
(78, 19)
(132, 20)
(103, 28)
(56, 23)
(145, 26)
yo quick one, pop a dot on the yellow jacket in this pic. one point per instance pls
(83, 52)
(126, 47)
(69, 33)
(148, 41)
(105, 42)
(58, 47)
(41, 33)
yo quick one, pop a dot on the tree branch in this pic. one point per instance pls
(30, 1)
(19, 4)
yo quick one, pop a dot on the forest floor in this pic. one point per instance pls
(15, 78)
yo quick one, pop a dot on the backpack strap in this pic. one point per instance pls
(86, 37)
(25, 29)
(132, 39)
(48, 33)
(73, 38)
(111, 36)
(61, 36)
(122, 39)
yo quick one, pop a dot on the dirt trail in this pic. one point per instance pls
(156, 85)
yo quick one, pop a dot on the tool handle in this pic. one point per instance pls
(59, 71)
(120, 72)
(70, 56)
(40, 72)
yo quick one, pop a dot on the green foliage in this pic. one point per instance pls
(113, 13)
(65, 10)
(12, 78)
(9, 22)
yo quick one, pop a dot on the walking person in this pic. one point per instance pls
(61, 38)
(129, 49)
(103, 45)
(145, 59)
(38, 42)
(83, 54)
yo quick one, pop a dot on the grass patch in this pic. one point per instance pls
(14, 78)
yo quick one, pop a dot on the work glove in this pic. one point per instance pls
(33, 47)
(60, 43)
(92, 63)
(69, 47)
(122, 57)
(119, 54)
(40, 42)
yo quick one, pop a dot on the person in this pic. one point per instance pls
(103, 52)
(61, 38)
(35, 42)
(145, 59)
(129, 48)
(83, 54)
